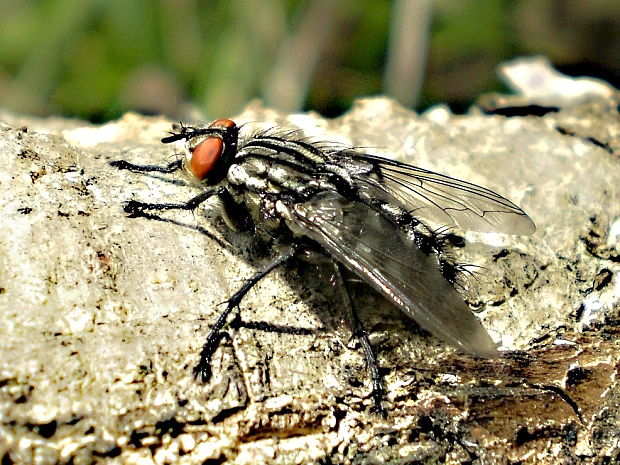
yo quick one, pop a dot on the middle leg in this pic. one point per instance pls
(203, 368)
(362, 335)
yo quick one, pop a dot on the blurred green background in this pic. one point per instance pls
(95, 59)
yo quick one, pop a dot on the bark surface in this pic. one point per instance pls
(103, 316)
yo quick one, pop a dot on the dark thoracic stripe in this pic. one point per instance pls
(294, 165)
(299, 150)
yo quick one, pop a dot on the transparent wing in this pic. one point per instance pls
(440, 198)
(370, 246)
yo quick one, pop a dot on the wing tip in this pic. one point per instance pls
(487, 352)
(528, 227)
(522, 225)
(486, 349)
(481, 346)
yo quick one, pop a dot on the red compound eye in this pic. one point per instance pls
(205, 155)
(222, 123)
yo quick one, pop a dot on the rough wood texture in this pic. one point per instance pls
(103, 315)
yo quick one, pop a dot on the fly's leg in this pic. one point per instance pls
(135, 208)
(362, 335)
(237, 322)
(169, 168)
(203, 369)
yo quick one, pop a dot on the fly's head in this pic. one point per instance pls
(209, 151)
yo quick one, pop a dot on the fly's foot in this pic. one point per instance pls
(122, 165)
(134, 208)
(380, 410)
(202, 371)
(377, 394)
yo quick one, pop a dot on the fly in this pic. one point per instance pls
(366, 213)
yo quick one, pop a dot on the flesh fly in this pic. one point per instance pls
(368, 214)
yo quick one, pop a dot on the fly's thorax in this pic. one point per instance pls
(262, 210)
(271, 215)
(287, 212)
(268, 176)
(246, 175)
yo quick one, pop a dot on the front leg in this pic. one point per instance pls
(136, 209)
(169, 168)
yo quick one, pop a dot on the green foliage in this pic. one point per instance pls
(95, 59)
